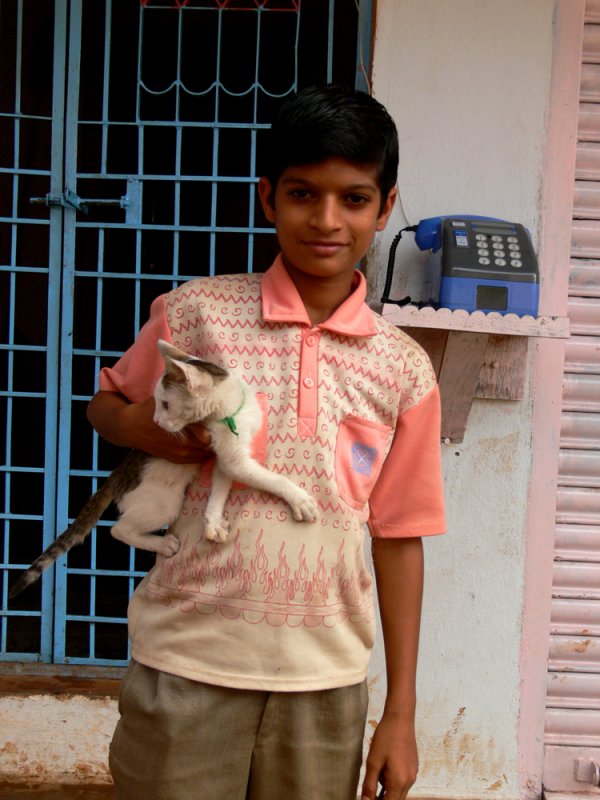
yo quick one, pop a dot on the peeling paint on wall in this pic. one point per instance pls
(465, 751)
(56, 739)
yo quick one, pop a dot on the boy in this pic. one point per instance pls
(250, 656)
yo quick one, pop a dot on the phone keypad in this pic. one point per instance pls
(499, 246)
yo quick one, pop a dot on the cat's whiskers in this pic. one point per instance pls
(180, 435)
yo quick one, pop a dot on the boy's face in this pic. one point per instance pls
(325, 215)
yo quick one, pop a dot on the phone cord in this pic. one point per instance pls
(390, 268)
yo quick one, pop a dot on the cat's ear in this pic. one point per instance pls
(207, 366)
(189, 370)
(169, 351)
(185, 374)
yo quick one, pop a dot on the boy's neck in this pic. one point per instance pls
(321, 295)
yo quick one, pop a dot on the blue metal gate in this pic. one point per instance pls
(132, 167)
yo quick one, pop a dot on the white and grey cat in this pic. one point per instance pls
(149, 491)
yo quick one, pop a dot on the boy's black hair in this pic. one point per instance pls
(334, 122)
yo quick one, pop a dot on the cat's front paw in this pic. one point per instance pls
(304, 508)
(168, 545)
(216, 531)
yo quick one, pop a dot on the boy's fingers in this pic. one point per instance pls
(199, 433)
(369, 787)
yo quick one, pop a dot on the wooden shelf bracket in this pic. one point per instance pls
(475, 355)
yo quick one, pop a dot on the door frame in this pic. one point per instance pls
(556, 206)
(67, 38)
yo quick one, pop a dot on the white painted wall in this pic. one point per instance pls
(467, 82)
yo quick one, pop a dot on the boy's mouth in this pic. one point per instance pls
(324, 248)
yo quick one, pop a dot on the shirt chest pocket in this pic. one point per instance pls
(360, 450)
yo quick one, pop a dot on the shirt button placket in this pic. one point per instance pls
(308, 384)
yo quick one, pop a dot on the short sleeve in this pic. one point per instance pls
(135, 374)
(408, 498)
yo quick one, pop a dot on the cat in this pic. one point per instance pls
(149, 491)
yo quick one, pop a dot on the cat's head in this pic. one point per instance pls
(186, 389)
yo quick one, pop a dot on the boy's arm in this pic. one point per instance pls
(131, 425)
(393, 755)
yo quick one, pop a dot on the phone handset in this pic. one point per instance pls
(428, 236)
(428, 232)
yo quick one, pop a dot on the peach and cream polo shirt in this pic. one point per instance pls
(351, 412)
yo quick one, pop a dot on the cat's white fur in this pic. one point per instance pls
(192, 390)
(154, 503)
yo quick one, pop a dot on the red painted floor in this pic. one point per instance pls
(47, 792)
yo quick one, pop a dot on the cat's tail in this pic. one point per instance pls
(77, 531)
(82, 525)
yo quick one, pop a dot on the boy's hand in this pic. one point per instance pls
(392, 759)
(190, 446)
(132, 425)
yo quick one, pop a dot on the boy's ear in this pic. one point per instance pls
(267, 199)
(387, 209)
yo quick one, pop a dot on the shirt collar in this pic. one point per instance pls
(282, 303)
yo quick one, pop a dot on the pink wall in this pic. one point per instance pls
(546, 376)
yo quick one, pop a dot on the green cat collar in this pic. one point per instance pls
(230, 420)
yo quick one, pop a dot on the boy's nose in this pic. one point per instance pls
(326, 215)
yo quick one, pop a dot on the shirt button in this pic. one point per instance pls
(308, 382)
(310, 340)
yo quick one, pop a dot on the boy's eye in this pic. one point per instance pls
(165, 405)
(300, 194)
(357, 199)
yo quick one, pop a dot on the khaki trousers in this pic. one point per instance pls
(182, 740)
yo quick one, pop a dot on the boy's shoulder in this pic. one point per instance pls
(408, 360)
(225, 288)
(398, 340)
(215, 300)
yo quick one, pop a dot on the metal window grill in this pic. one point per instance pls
(130, 166)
